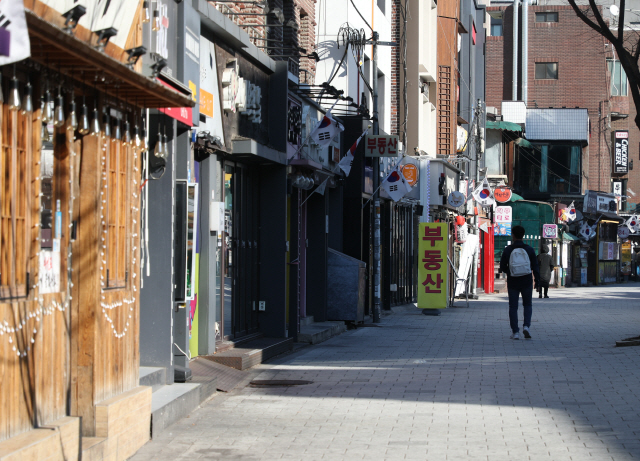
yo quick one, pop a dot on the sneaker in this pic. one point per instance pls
(515, 335)
(546, 297)
(526, 333)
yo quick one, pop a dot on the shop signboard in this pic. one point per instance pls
(410, 173)
(189, 55)
(623, 232)
(621, 152)
(381, 146)
(433, 267)
(503, 214)
(502, 194)
(550, 231)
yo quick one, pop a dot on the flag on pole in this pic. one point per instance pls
(320, 189)
(570, 213)
(347, 160)
(483, 194)
(587, 232)
(326, 130)
(14, 36)
(633, 223)
(395, 185)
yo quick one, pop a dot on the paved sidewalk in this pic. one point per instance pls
(452, 387)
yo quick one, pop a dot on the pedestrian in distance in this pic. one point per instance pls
(521, 266)
(545, 263)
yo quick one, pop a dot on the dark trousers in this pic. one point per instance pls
(543, 286)
(514, 296)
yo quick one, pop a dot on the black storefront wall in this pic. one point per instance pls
(157, 313)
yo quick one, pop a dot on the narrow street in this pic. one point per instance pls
(448, 387)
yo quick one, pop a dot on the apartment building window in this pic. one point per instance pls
(496, 27)
(618, 78)
(546, 70)
(547, 16)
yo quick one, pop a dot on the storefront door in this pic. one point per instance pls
(241, 251)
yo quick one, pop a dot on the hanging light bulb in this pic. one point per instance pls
(106, 120)
(58, 110)
(72, 122)
(27, 101)
(145, 144)
(117, 132)
(14, 95)
(155, 26)
(44, 133)
(165, 147)
(146, 16)
(136, 136)
(127, 131)
(158, 151)
(47, 112)
(95, 121)
(83, 128)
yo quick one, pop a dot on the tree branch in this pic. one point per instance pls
(621, 22)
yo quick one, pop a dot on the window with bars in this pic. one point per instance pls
(116, 214)
(618, 78)
(15, 202)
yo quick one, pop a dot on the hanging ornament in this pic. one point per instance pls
(83, 128)
(158, 151)
(47, 112)
(106, 120)
(156, 25)
(95, 121)
(73, 118)
(146, 15)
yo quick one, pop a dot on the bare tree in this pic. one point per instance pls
(626, 43)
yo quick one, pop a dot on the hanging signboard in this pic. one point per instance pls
(550, 231)
(620, 151)
(410, 173)
(503, 214)
(433, 268)
(502, 194)
(456, 199)
(623, 232)
(381, 146)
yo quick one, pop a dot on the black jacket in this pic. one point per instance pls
(525, 280)
(545, 262)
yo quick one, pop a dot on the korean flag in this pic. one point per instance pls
(326, 130)
(483, 194)
(395, 185)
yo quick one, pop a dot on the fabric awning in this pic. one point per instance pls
(524, 143)
(502, 125)
(570, 237)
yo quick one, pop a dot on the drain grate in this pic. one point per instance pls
(278, 382)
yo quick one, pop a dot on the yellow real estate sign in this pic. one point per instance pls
(432, 266)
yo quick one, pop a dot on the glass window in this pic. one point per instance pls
(496, 27)
(547, 16)
(547, 70)
(618, 78)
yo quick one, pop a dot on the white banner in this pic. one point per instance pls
(14, 29)
(469, 248)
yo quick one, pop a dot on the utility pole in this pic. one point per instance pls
(376, 186)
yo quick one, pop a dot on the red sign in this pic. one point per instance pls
(410, 173)
(181, 114)
(502, 194)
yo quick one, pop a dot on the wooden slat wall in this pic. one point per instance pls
(107, 364)
(33, 389)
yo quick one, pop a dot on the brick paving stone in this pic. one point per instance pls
(440, 388)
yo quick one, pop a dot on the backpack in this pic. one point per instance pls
(519, 263)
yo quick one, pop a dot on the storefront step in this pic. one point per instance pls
(171, 403)
(320, 331)
(232, 344)
(155, 377)
(252, 353)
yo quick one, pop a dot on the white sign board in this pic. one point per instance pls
(49, 272)
(503, 214)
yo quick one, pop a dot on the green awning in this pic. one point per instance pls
(506, 126)
(569, 237)
(524, 143)
(515, 197)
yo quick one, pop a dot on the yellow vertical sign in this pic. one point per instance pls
(432, 266)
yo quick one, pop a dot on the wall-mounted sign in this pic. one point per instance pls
(503, 229)
(381, 146)
(456, 199)
(411, 173)
(188, 69)
(181, 114)
(616, 188)
(239, 94)
(14, 41)
(502, 194)
(550, 231)
(621, 152)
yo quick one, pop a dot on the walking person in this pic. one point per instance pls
(521, 266)
(545, 263)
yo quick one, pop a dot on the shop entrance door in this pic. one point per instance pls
(241, 251)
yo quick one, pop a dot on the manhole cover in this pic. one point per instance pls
(279, 382)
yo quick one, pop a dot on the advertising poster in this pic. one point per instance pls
(433, 266)
(503, 229)
(625, 258)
